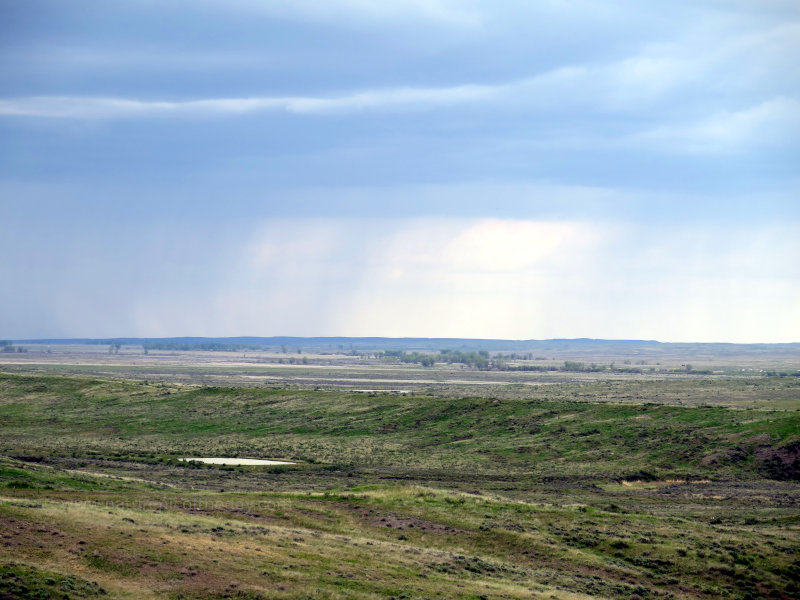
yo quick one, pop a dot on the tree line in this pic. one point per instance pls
(207, 346)
(8, 346)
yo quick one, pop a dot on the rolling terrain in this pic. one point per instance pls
(590, 485)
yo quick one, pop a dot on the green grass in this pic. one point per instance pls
(541, 437)
(25, 581)
(551, 495)
(377, 541)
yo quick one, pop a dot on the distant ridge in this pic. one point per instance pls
(422, 343)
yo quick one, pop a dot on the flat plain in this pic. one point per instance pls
(634, 473)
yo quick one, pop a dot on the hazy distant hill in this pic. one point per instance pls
(573, 346)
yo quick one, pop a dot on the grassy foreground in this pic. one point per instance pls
(550, 496)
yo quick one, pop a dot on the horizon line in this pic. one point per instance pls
(95, 340)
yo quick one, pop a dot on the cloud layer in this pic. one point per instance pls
(424, 167)
(110, 108)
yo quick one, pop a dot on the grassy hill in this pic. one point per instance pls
(404, 496)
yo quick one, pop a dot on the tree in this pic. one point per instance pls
(571, 365)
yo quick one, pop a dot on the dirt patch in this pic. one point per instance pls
(25, 534)
(237, 461)
(730, 456)
(393, 521)
(761, 439)
(781, 463)
(776, 462)
(665, 482)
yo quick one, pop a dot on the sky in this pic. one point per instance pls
(421, 168)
